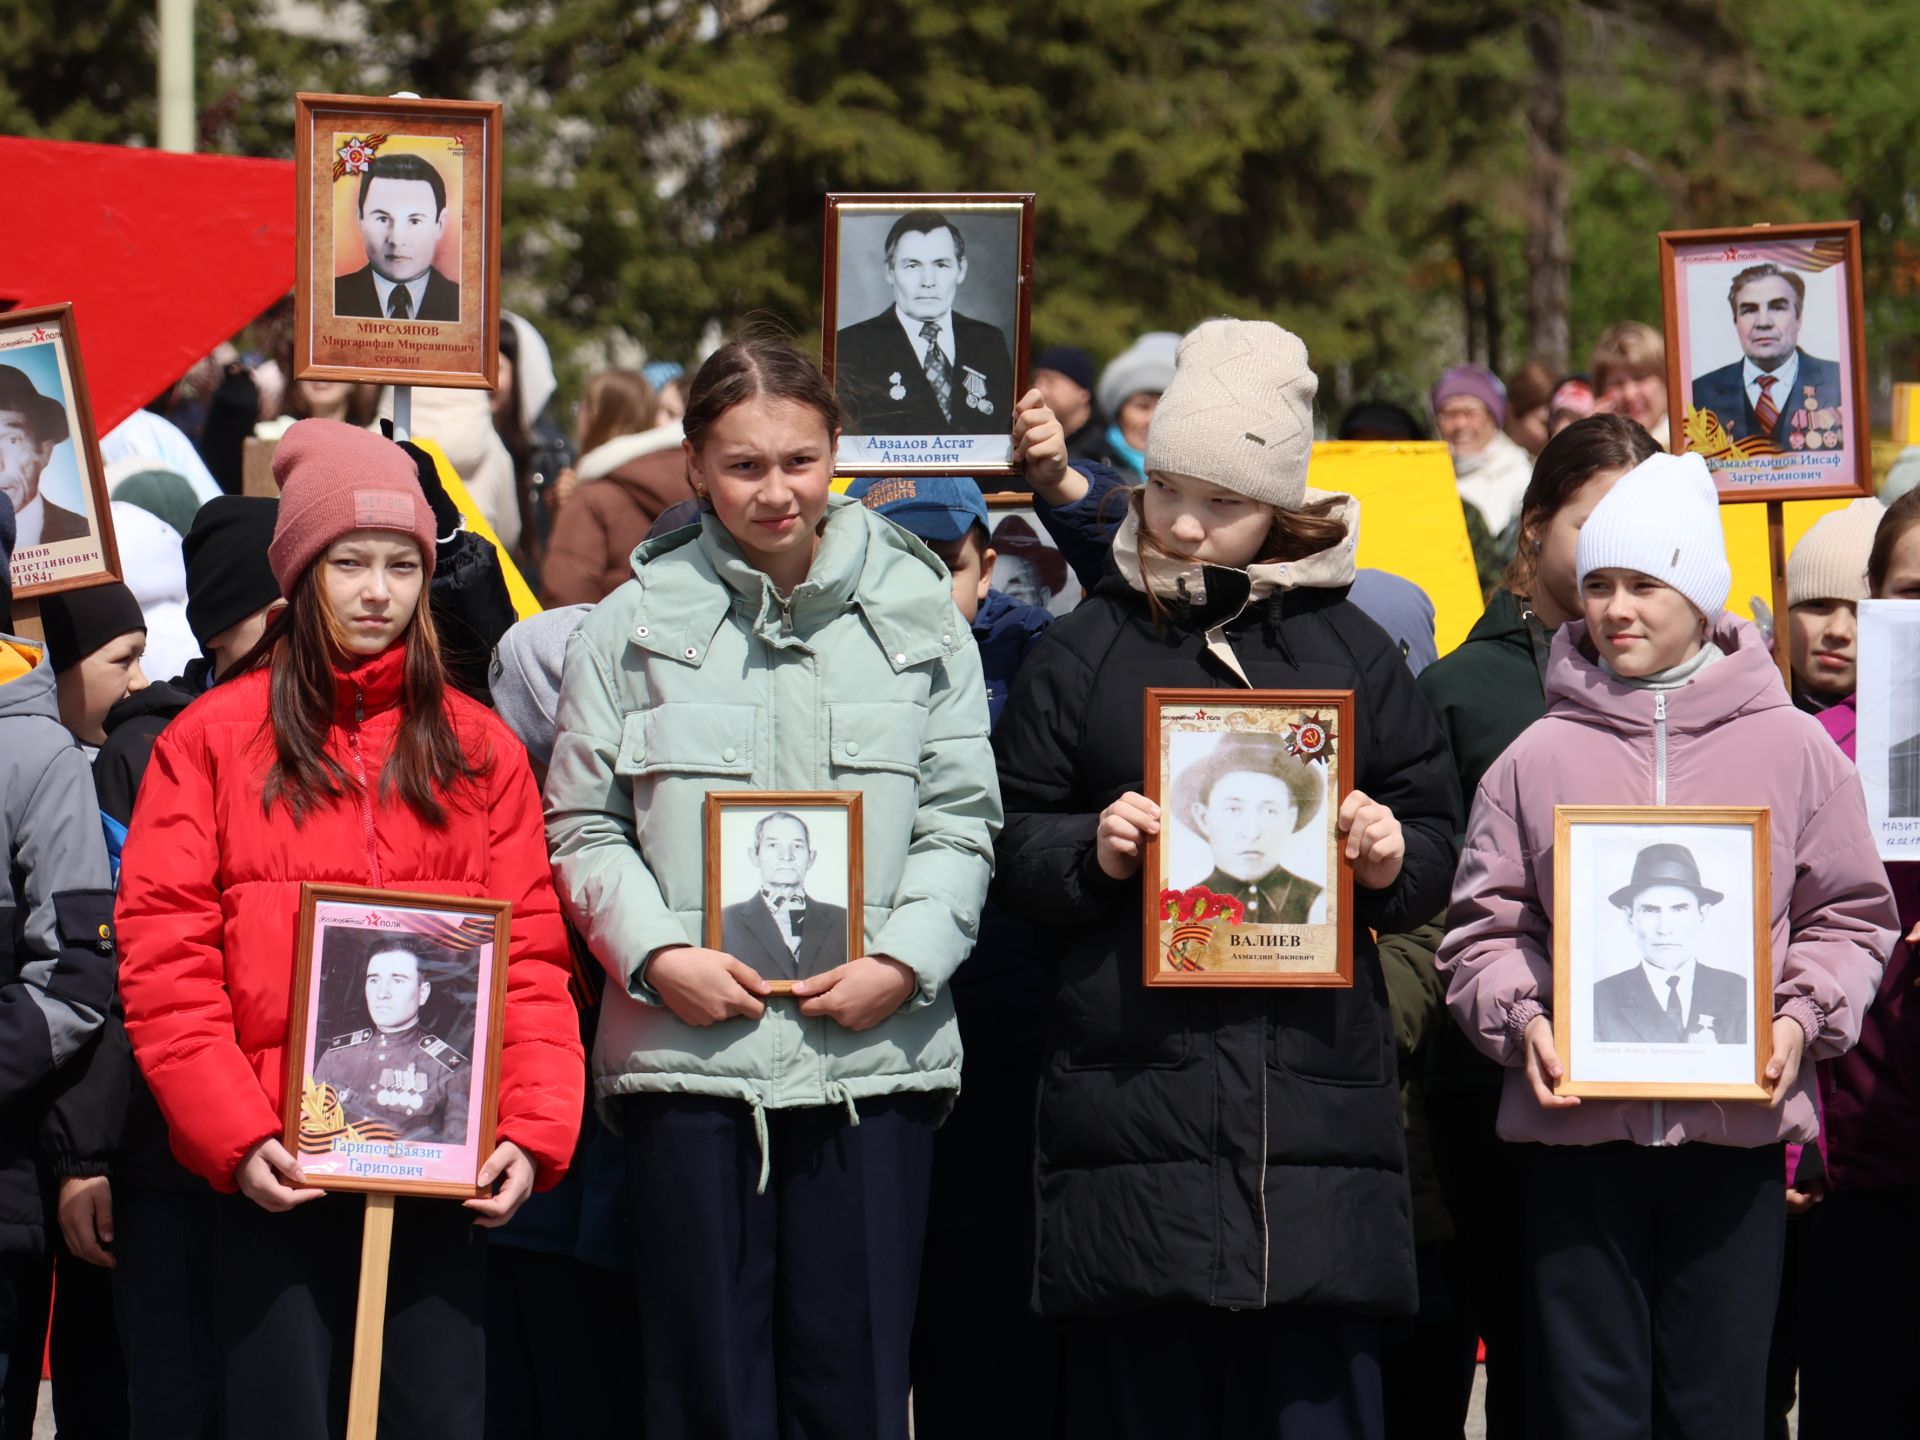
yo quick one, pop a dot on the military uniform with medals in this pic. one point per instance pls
(409, 1080)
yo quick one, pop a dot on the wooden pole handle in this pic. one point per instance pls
(1777, 568)
(370, 1320)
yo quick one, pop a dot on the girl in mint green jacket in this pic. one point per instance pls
(779, 1146)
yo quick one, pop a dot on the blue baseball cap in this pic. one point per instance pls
(940, 508)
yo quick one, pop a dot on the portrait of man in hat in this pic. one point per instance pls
(1246, 797)
(31, 426)
(781, 930)
(1025, 566)
(921, 367)
(1670, 997)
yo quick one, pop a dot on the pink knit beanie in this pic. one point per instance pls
(335, 479)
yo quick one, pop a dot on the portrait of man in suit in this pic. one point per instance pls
(31, 425)
(1246, 797)
(402, 210)
(782, 931)
(920, 367)
(1670, 997)
(1759, 394)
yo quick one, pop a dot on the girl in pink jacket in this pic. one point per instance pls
(1654, 1230)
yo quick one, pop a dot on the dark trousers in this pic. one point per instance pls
(1860, 1343)
(1655, 1273)
(1483, 1180)
(785, 1313)
(285, 1287)
(559, 1334)
(1204, 1374)
(26, 1284)
(89, 1375)
(163, 1300)
(1799, 1305)
(1427, 1363)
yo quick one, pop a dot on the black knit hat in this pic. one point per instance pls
(79, 622)
(228, 577)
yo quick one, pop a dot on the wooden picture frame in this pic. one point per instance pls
(740, 833)
(1028, 565)
(894, 424)
(404, 1109)
(1818, 448)
(1609, 1029)
(43, 393)
(341, 330)
(1287, 748)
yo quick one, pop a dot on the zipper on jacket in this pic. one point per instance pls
(360, 774)
(1659, 798)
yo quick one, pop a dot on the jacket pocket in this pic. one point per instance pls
(876, 736)
(1334, 1037)
(688, 738)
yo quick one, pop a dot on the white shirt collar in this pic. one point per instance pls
(28, 523)
(1782, 397)
(919, 341)
(416, 290)
(1657, 979)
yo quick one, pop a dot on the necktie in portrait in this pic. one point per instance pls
(400, 306)
(939, 373)
(1767, 412)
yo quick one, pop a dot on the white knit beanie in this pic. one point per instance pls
(1144, 366)
(1239, 413)
(1830, 562)
(1662, 518)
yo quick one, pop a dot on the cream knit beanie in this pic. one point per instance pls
(1239, 413)
(1830, 562)
(1662, 518)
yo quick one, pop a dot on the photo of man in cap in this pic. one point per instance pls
(31, 425)
(402, 212)
(1670, 997)
(920, 367)
(395, 1073)
(781, 931)
(1246, 797)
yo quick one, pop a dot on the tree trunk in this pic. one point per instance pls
(1549, 257)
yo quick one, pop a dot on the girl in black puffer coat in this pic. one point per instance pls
(1223, 1206)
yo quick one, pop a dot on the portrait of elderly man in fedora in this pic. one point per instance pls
(31, 425)
(1246, 797)
(1670, 997)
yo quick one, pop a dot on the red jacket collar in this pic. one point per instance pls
(371, 685)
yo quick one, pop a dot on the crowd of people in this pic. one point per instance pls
(978, 1177)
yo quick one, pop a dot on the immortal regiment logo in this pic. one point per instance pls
(356, 155)
(1306, 736)
(323, 1123)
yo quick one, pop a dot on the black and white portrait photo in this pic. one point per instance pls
(1028, 566)
(1251, 805)
(395, 1031)
(928, 311)
(1244, 882)
(1887, 743)
(784, 873)
(1661, 946)
(1673, 995)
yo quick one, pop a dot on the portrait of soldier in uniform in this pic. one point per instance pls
(394, 1072)
(402, 213)
(781, 930)
(1670, 997)
(1246, 798)
(920, 366)
(31, 425)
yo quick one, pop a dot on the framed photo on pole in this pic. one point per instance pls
(1662, 951)
(1766, 358)
(50, 469)
(397, 274)
(393, 1050)
(927, 304)
(783, 872)
(1246, 885)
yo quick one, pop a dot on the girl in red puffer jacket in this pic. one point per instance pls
(342, 756)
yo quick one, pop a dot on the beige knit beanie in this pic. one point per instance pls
(1239, 413)
(1830, 562)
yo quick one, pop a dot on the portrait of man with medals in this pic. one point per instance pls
(395, 1074)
